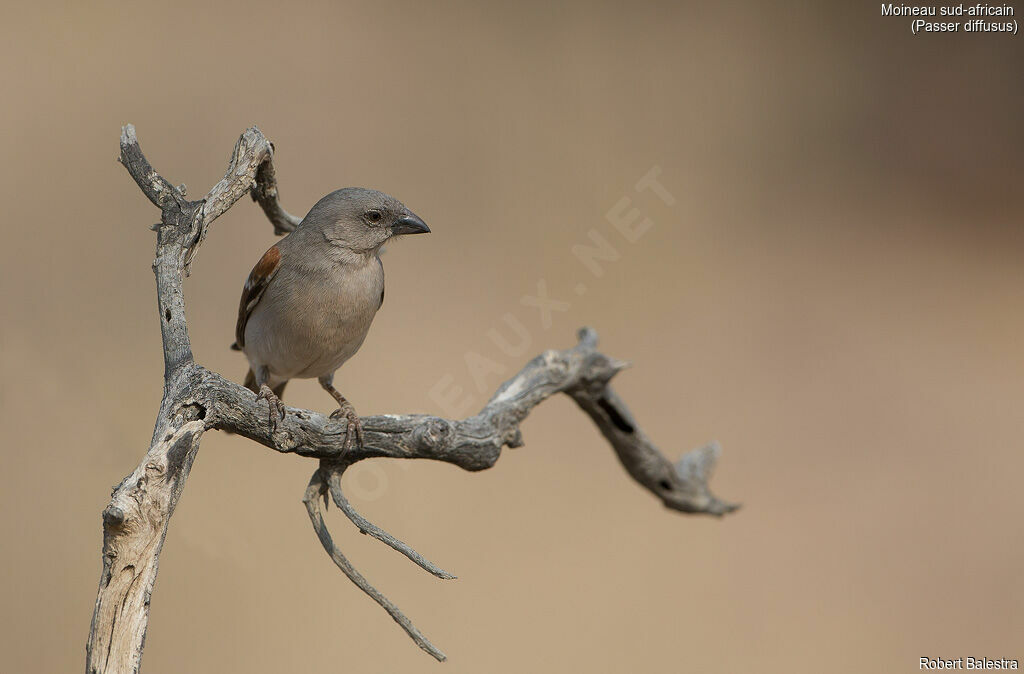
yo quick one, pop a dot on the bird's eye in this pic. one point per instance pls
(373, 216)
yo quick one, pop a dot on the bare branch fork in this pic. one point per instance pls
(196, 400)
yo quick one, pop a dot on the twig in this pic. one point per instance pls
(312, 500)
(367, 527)
(265, 194)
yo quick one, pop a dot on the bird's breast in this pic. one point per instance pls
(316, 319)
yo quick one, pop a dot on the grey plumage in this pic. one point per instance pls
(309, 302)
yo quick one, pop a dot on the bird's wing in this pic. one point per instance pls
(381, 303)
(259, 278)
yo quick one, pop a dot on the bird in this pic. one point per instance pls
(308, 303)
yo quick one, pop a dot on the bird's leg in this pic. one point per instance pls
(275, 408)
(354, 433)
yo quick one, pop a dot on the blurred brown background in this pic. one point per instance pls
(836, 296)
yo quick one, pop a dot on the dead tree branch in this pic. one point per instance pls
(196, 400)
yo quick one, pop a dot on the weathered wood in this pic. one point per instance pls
(196, 400)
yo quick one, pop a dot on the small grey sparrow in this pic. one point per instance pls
(309, 301)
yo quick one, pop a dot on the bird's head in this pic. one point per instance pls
(362, 220)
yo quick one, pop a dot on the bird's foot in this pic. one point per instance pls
(275, 408)
(354, 432)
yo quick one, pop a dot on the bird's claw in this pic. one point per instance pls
(354, 432)
(275, 408)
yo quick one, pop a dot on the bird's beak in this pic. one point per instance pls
(410, 224)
